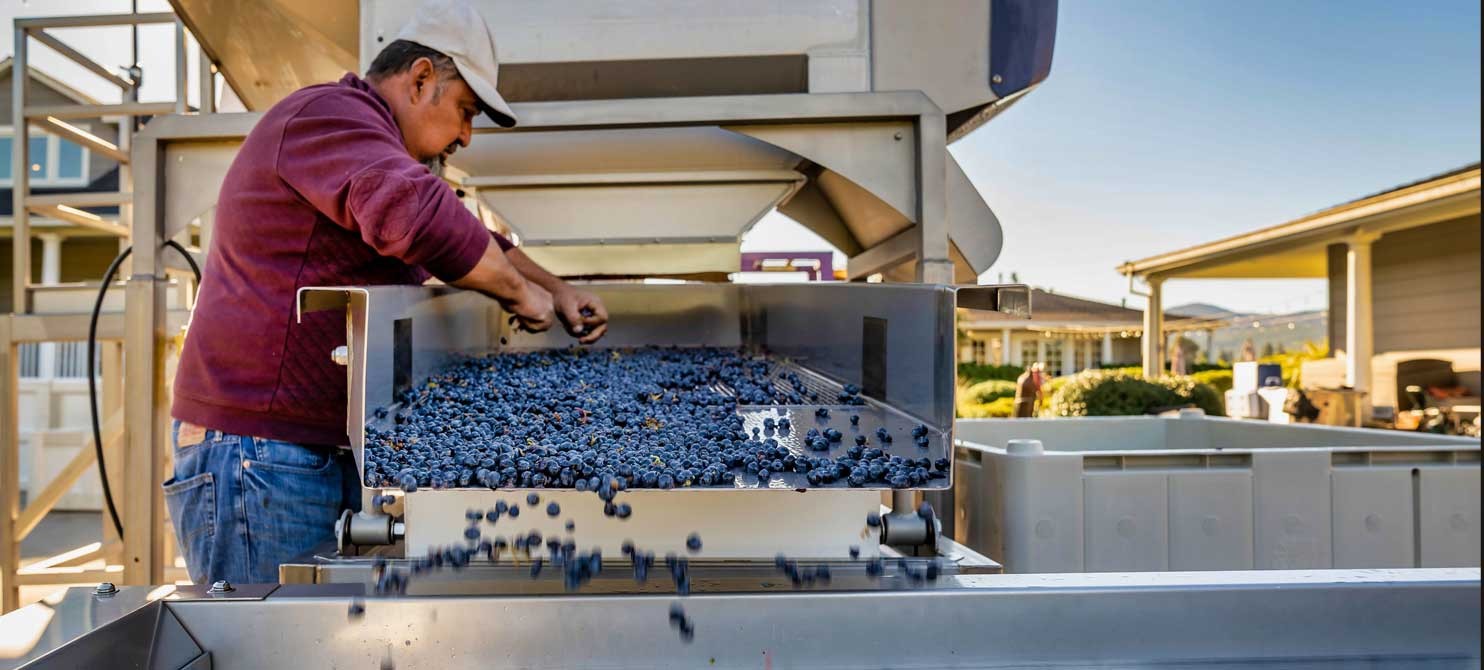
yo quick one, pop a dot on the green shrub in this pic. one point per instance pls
(989, 391)
(973, 373)
(1115, 393)
(1000, 408)
(1188, 390)
(1221, 380)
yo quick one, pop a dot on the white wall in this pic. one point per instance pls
(54, 426)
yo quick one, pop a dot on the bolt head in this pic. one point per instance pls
(997, 79)
(105, 589)
(340, 355)
(221, 586)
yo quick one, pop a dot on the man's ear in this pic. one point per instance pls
(424, 79)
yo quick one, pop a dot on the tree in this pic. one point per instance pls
(1267, 349)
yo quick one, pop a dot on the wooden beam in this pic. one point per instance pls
(99, 111)
(83, 137)
(68, 576)
(10, 475)
(93, 20)
(80, 200)
(77, 57)
(81, 218)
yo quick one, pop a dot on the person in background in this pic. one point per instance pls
(1028, 391)
(1177, 359)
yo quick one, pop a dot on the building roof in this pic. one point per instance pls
(51, 82)
(1296, 249)
(1059, 312)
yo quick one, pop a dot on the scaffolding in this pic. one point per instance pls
(34, 321)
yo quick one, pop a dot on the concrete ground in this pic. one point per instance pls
(61, 531)
(58, 532)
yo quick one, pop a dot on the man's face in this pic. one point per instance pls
(440, 118)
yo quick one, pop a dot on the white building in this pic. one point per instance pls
(1403, 271)
(1066, 333)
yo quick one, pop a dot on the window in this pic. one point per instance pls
(54, 161)
(1053, 358)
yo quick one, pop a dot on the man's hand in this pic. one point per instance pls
(532, 311)
(582, 314)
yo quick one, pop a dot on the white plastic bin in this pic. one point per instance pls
(1131, 494)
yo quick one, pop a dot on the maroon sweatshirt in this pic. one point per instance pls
(322, 193)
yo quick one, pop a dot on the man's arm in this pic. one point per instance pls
(348, 163)
(581, 313)
(495, 276)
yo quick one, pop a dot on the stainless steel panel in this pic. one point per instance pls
(599, 30)
(821, 326)
(1325, 619)
(46, 632)
(746, 522)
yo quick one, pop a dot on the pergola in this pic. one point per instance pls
(1298, 250)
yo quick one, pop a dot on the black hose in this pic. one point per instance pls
(108, 276)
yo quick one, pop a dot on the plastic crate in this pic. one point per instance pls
(1132, 494)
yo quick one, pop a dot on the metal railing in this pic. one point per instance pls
(69, 361)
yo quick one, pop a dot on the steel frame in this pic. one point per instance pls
(146, 413)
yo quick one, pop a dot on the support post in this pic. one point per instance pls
(1068, 356)
(1041, 351)
(933, 263)
(1107, 348)
(20, 176)
(51, 273)
(1154, 326)
(1005, 356)
(207, 79)
(10, 470)
(1359, 327)
(180, 68)
(145, 408)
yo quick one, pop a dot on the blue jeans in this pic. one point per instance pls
(242, 505)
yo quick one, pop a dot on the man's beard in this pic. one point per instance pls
(435, 165)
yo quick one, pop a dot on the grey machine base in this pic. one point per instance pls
(1325, 619)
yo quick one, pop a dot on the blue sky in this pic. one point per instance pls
(1167, 123)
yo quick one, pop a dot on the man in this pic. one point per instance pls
(332, 187)
(1028, 391)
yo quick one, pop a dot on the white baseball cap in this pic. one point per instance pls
(455, 29)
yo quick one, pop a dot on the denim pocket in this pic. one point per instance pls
(288, 457)
(192, 505)
(292, 497)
